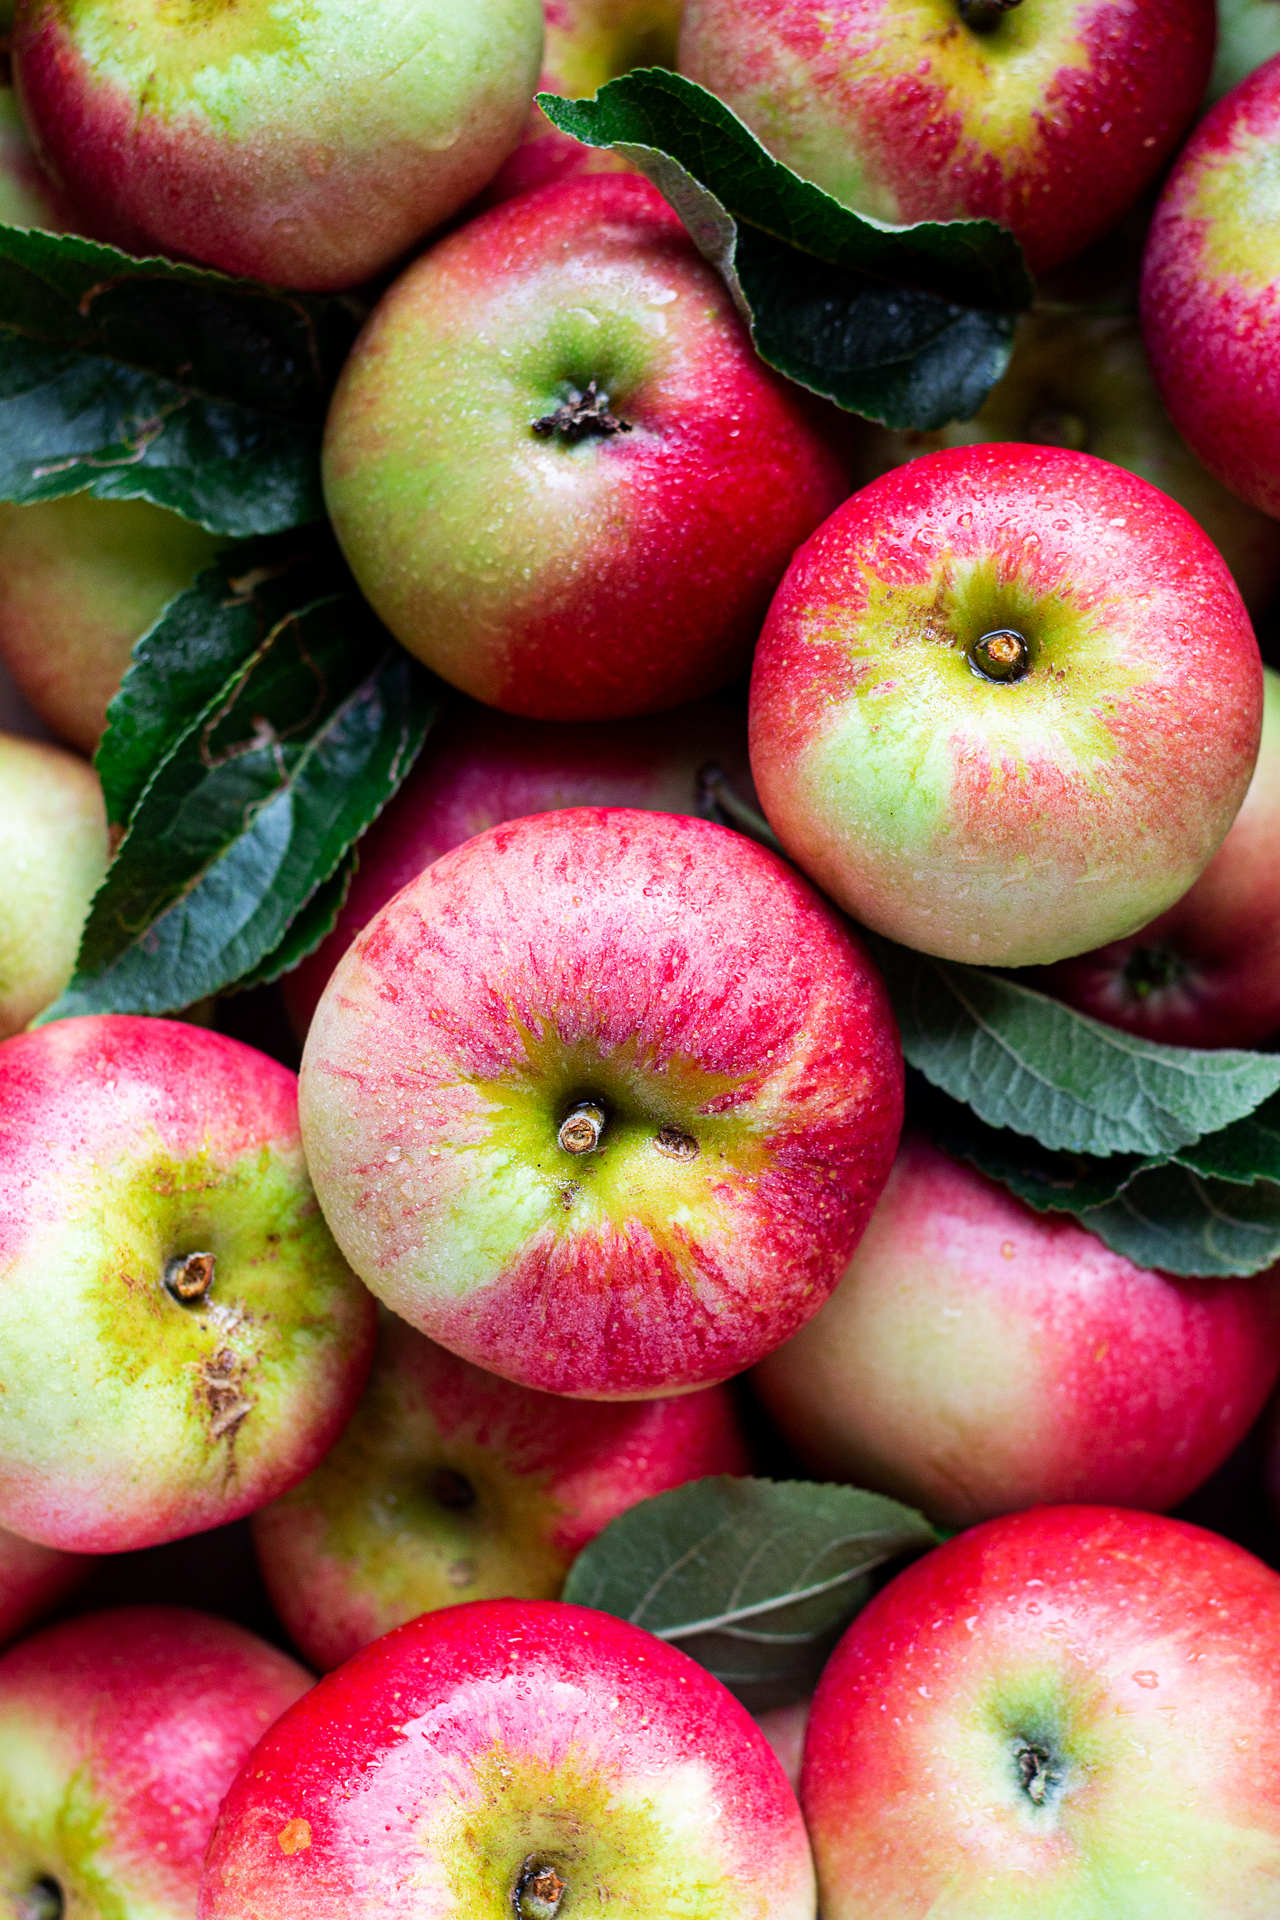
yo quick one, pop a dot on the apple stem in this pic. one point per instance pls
(586, 411)
(189, 1277)
(539, 1891)
(982, 15)
(1002, 655)
(582, 1126)
(716, 797)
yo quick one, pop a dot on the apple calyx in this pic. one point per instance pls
(188, 1277)
(1002, 655)
(1151, 970)
(981, 16)
(539, 1891)
(1039, 1776)
(586, 411)
(44, 1900)
(452, 1490)
(582, 1127)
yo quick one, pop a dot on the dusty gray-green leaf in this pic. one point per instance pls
(147, 379)
(1024, 1061)
(1173, 1219)
(313, 923)
(911, 326)
(755, 1579)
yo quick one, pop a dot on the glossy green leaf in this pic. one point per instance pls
(911, 326)
(755, 1579)
(314, 923)
(147, 379)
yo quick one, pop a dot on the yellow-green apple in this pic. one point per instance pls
(1006, 704)
(602, 1100)
(1072, 1712)
(33, 1579)
(511, 1758)
(80, 581)
(306, 142)
(558, 467)
(451, 1484)
(1050, 119)
(978, 1357)
(1248, 35)
(119, 1734)
(53, 854)
(588, 42)
(1080, 379)
(1207, 972)
(491, 767)
(28, 197)
(1211, 291)
(180, 1340)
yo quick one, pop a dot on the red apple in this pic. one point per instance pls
(1049, 119)
(558, 467)
(180, 1340)
(1211, 291)
(978, 1357)
(119, 1734)
(451, 1484)
(1207, 972)
(306, 142)
(602, 1101)
(32, 1580)
(512, 1757)
(1006, 704)
(1068, 1712)
(490, 767)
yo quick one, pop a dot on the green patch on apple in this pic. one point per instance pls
(911, 326)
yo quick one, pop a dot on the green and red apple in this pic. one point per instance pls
(53, 855)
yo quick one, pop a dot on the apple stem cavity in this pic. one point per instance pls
(43, 1901)
(981, 16)
(585, 412)
(188, 1277)
(1002, 655)
(539, 1892)
(582, 1127)
(452, 1490)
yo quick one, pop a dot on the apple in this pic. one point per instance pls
(978, 1357)
(53, 854)
(1006, 704)
(1050, 120)
(1211, 291)
(32, 1580)
(180, 1340)
(602, 1100)
(1069, 1712)
(784, 1728)
(80, 581)
(306, 142)
(490, 767)
(1248, 35)
(119, 1734)
(558, 467)
(1207, 972)
(451, 1484)
(511, 1757)
(1080, 379)
(27, 197)
(588, 42)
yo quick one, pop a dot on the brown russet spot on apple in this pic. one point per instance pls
(221, 1388)
(585, 412)
(188, 1277)
(539, 1891)
(294, 1836)
(676, 1142)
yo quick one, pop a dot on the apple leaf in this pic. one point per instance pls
(147, 379)
(1174, 1219)
(755, 1579)
(234, 861)
(1025, 1061)
(911, 326)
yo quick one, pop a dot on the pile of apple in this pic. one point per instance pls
(600, 1106)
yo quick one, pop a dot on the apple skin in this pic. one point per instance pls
(1207, 972)
(978, 1357)
(741, 1045)
(1079, 379)
(128, 1417)
(1211, 291)
(490, 767)
(1051, 122)
(1248, 35)
(119, 1734)
(34, 1579)
(27, 197)
(1134, 1657)
(512, 563)
(504, 1735)
(305, 142)
(53, 854)
(452, 1485)
(1018, 822)
(80, 581)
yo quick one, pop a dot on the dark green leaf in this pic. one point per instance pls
(312, 925)
(911, 326)
(1247, 1151)
(146, 379)
(754, 1579)
(1024, 1061)
(252, 810)
(1173, 1219)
